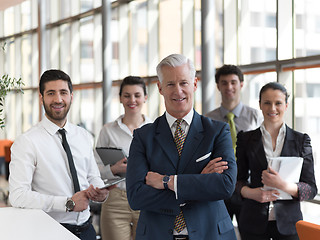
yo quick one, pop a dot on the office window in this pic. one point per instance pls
(307, 116)
(26, 60)
(87, 109)
(271, 54)
(9, 23)
(317, 24)
(313, 90)
(255, 54)
(115, 43)
(299, 21)
(139, 38)
(86, 49)
(197, 20)
(257, 30)
(25, 15)
(116, 106)
(27, 103)
(169, 37)
(252, 85)
(86, 5)
(64, 48)
(219, 33)
(271, 20)
(307, 32)
(256, 19)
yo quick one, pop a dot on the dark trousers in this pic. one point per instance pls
(233, 206)
(233, 209)
(84, 233)
(271, 233)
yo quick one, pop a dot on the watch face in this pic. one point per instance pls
(166, 179)
(70, 205)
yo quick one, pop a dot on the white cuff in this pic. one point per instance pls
(175, 186)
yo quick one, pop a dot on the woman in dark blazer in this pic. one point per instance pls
(263, 215)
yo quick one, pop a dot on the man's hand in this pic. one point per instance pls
(81, 200)
(97, 194)
(154, 180)
(119, 167)
(215, 166)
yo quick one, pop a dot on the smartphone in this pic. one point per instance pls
(109, 183)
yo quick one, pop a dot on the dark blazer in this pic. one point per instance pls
(251, 158)
(153, 149)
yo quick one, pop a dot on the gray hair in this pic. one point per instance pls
(175, 60)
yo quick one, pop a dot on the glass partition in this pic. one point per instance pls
(257, 31)
(306, 112)
(307, 27)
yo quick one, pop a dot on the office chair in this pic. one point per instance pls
(307, 230)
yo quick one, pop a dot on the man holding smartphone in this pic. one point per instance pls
(52, 164)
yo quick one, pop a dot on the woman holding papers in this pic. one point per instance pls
(265, 214)
(118, 220)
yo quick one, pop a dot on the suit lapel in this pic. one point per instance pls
(289, 145)
(165, 139)
(258, 149)
(194, 138)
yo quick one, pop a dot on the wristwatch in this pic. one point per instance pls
(165, 181)
(70, 204)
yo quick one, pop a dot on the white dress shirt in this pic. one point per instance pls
(268, 149)
(39, 171)
(115, 134)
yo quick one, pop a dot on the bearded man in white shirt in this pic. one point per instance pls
(40, 169)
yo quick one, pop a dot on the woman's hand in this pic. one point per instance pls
(259, 194)
(119, 167)
(271, 178)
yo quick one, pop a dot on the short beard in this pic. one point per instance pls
(55, 117)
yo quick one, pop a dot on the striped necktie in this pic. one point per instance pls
(179, 138)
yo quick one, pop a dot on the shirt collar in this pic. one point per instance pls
(120, 123)
(187, 118)
(282, 130)
(125, 127)
(51, 127)
(236, 111)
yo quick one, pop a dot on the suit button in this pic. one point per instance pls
(170, 231)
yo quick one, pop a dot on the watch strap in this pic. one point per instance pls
(70, 204)
(165, 181)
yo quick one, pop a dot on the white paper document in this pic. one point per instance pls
(289, 169)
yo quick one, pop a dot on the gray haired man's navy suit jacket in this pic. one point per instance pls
(202, 195)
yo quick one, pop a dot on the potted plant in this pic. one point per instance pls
(7, 84)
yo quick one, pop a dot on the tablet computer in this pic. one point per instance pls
(112, 182)
(110, 155)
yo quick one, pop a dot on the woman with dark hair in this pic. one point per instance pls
(264, 215)
(118, 220)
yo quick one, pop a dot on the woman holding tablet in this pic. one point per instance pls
(118, 220)
(263, 214)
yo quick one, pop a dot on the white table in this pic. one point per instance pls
(30, 224)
